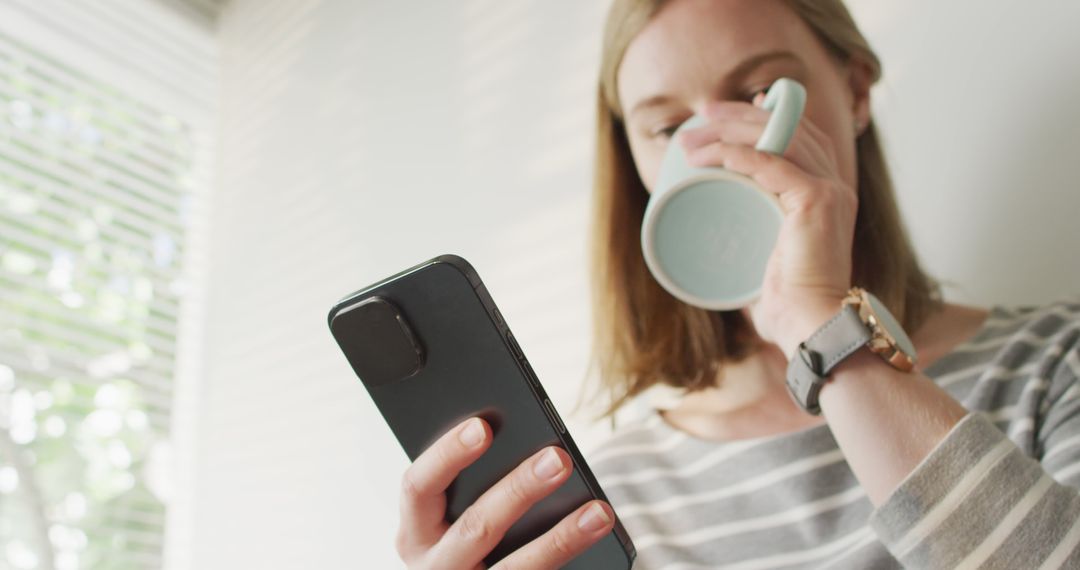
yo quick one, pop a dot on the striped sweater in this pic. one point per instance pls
(998, 492)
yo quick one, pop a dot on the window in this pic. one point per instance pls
(96, 189)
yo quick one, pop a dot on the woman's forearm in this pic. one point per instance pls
(884, 420)
(951, 490)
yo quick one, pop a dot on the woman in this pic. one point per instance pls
(896, 471)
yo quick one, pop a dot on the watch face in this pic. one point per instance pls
(888, 322)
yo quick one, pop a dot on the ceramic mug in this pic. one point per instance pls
(708, 232)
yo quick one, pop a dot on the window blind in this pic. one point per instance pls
(98, 180)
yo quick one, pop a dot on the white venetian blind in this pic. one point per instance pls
(105, 110)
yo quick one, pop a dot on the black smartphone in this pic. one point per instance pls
(432, 350)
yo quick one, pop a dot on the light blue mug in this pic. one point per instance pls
(708, 232)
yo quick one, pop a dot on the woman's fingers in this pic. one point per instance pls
(485, 522)
(572, 536)
(425, 538)
(772, 172)
(736, 131)
(804, 149)
(739, 110)
(423, 502)
(821, 139)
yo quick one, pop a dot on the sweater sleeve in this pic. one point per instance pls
(978, 501)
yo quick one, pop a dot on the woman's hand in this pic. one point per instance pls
(425, 540)
(809, 271)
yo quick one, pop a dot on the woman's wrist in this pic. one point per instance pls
(802, 322)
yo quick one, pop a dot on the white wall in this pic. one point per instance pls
(362, 137)
(980, 111)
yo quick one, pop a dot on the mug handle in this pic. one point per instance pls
(786, 99)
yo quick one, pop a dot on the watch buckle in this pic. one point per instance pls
(812, 360)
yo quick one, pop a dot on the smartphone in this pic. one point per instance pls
(432, 349)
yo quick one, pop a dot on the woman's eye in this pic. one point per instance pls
(666, 132)
(753, 94)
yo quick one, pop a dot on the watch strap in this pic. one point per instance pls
(837, 339)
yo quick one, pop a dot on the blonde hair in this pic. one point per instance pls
(643, 335)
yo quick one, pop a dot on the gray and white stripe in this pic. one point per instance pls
(999, 492)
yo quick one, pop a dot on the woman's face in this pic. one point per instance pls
(698, 52)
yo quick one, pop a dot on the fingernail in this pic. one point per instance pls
(548, 466)
(593, 519)
(473, 434)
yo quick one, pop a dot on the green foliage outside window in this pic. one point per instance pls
(94, 186)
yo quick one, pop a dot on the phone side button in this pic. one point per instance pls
(555, 419)
(514, 345)
(530, 373)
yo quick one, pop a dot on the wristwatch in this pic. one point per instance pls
(862, 321)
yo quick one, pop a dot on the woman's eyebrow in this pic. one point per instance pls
(738, 72)
(654, 101)
(752, 62)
